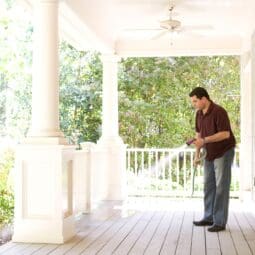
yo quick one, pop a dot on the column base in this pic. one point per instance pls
(44, 231)
(110, 141)
(45, 136)
(112, 165)
(43, 194)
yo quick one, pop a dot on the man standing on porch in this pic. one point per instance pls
(214, 134)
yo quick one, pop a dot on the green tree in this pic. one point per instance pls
(155, 109)
(80, 93)
(15, 70)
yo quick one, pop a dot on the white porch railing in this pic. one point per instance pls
(169, 172)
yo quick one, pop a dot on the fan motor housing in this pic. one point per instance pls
(170, 24)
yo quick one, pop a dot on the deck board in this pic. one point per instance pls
(100, 242)
(226, 243)
(172, 237)
(93, 235)
(134, 235)
(184, 243)
(158, 238)
(241, 244)
(150, 227)
(116, 240)
(143, 241)
(246, 229)
(198, 246)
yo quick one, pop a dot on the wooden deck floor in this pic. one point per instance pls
(151, 226)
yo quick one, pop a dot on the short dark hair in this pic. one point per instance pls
(199, 92)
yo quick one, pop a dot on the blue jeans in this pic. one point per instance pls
(217, 178)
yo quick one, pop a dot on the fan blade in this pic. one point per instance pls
(162, 33)
(130, 30)
(199, 30)
(197, 27)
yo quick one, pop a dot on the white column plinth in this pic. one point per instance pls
(43, 194)
(112, 167)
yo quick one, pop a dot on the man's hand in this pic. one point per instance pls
(199, 143)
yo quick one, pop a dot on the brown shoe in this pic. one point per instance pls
(203, 223)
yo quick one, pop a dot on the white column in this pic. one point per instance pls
(45, 90)
(110, 119)
(247, 146)
(43, 164)
(110, 146)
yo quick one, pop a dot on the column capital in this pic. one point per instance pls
(112, 58)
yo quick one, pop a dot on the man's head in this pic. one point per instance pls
(199, 98)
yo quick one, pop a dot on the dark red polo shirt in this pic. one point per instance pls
(213, 121)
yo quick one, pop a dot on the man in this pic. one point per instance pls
(214, 134)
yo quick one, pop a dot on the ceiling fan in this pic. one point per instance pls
(170, 24)
(173, 26)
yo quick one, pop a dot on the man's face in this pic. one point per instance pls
(197, 103)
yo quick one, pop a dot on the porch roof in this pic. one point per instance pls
(127, 27)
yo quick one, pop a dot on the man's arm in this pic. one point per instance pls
(220, 136)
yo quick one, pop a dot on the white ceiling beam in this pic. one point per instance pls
(88, 27)
(196, 47)
(77, 33)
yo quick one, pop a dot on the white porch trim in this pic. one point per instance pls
(247, 65)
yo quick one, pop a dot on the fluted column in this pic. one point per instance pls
(45, 90)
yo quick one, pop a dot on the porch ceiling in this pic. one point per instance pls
(126, 27)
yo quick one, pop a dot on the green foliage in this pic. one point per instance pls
(15, 70)
(155, 109)
(6, 187)
(6, 207)
(80, 94)
(6, 164)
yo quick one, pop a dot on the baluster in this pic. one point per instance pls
(163, 171)
(178, 172)
(170, 170)
(184, 172)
